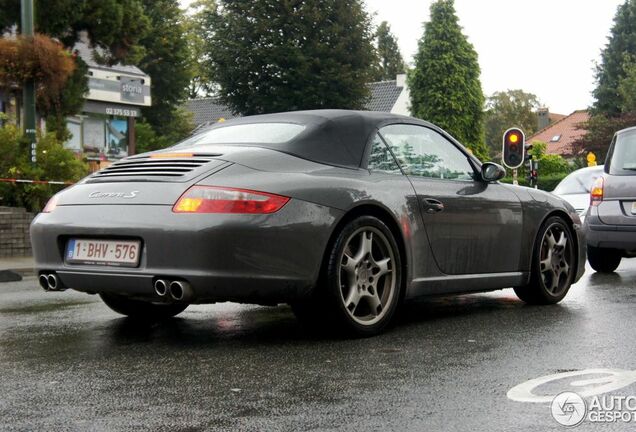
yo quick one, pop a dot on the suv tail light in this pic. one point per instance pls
(596, 194)
(213, 199)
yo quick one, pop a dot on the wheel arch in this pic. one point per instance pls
(380, 212)
(570, 223)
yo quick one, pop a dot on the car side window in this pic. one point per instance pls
(423, 152)
(381, 159)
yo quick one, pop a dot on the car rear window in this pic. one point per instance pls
(578, 182)
(622, 158)
(251, 133)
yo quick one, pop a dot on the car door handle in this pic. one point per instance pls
(433, 206)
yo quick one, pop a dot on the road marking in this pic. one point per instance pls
(612, 380)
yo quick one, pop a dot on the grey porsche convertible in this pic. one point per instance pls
(341, 214)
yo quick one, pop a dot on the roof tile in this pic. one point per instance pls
(384, 95)
(568, 128)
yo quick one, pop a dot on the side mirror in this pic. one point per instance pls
(491, 172)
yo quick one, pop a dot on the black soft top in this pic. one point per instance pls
(333, 137)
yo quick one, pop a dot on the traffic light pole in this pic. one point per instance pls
(515, 177)
(28, 92)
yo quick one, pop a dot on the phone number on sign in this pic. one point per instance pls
(121, 112)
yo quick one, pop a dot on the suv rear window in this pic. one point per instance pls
(622, 157)
(578, 182)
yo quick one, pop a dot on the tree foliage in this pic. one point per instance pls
(506, 109)
(60, 78)
(615, 105)
(445, 87)
(114, 25)
(148, 139)
(549, 164)
(390, 62)
(621, 49)
(201, 82)
(627, 87)
(70, 101)
(272, 55)
(600, 131)
(167, 61)
(37, 58)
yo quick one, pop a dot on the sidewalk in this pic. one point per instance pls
(12, 269)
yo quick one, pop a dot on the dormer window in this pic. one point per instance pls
(555, 138)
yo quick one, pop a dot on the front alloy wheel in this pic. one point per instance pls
(553, 265)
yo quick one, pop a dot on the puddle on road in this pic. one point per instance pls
(42, 307)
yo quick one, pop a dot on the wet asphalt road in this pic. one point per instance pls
(69, 363)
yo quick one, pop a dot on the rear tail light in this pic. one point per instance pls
(212, 199)
(596, 194)
(50, 206)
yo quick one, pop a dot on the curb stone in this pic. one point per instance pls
(9, 276)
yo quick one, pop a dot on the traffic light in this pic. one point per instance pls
(514, 142)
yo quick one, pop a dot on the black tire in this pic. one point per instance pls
(375, 281)
(603, 260)
(142, 310)
(549, 282)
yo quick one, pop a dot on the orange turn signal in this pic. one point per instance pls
(171, 155)
(596, 194)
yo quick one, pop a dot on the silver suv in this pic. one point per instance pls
(610, 224)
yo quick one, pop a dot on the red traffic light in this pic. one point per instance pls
(513, 152)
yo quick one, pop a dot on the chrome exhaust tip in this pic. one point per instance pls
(161, 287)
(52, 281)
(44, 282)
(180, 291)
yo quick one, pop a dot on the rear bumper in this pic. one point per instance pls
(602, 235)
(245, 258)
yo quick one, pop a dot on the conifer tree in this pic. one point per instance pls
(445, 86)
(618, 54)
(271, 55)
(391, 62)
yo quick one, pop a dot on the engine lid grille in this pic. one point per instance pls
(152, 167)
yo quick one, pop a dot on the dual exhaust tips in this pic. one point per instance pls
(175, 290)
(50, 282)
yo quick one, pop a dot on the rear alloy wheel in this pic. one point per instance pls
(363, 280)
(553, 264)
(603, 260)
(140, 309)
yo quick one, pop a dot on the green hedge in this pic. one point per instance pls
(54, 162)
(547, 183)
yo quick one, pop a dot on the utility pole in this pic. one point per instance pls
(28, 93)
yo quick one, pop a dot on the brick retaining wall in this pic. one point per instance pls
(14, 232)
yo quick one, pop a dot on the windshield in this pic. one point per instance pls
(623, 154)
(253, 133)
(579, 182)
